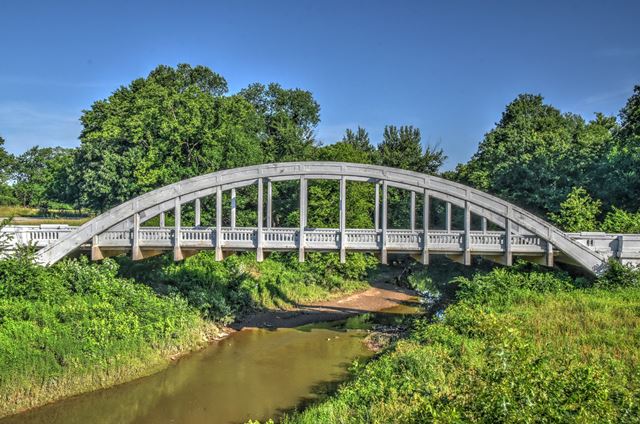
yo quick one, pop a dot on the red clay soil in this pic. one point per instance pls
(379, 296)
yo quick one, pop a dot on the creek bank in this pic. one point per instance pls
(376, 298)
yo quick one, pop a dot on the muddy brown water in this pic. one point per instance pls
(252, 374)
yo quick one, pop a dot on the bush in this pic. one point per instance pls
(620, 221)
(619, 275)
(79, 326)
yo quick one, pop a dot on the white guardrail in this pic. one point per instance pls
(625, 247)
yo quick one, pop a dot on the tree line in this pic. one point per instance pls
(182, 121)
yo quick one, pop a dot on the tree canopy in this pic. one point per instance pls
(181, 121)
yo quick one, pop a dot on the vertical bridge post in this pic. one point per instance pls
(259, 252)
(376, 207)
(447, 218)
(508, 254)
(467, 234)
(136, 253)
(177, 250)
(412, 220)
(343, 219)
(96, 253)
(383, 241)
(549, 259)
(197, 212)
(219, 223)
(303, 217)
(233, 208)
(425, 229)
(269, 204)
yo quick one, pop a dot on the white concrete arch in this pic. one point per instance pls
(517, 222)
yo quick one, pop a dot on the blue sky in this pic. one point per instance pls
(447, 67)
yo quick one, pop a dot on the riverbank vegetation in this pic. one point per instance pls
(76, 327)
(517, 345)
(224, 291)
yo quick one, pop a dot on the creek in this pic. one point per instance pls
(252, 374)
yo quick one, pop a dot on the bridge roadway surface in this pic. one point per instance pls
(502, 231)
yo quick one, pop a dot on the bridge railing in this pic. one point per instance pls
(625, 247)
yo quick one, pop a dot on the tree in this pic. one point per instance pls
(6, 167)
(290, 117)
(579, 212)
(172, 125)
(35, 172)
(402, 148)
(619, 170)
(536, 154)
(359, 140)
(325, 195)
(620, 221)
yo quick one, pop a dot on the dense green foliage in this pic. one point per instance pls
(75, 327)
(579, 212)
(536, 155)
(224, 290)
(182, 122)
(517, 346)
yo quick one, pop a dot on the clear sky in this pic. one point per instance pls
(447, 67)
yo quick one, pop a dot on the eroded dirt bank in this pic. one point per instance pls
(380, 296)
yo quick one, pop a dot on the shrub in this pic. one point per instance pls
(79, 326)
(621, 221)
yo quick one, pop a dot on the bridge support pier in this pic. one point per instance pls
(508, 253)
(549, 255)
(96, 253)
(136, 253)
(412, 207)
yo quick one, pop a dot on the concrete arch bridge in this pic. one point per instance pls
(502, 230)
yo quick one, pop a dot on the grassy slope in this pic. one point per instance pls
(77, 327)
(516, 347)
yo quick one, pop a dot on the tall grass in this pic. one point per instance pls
(522, 345)
(77, 327)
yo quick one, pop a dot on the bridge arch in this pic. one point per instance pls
(514, 220)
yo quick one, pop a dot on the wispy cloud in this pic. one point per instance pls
(23, 126)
